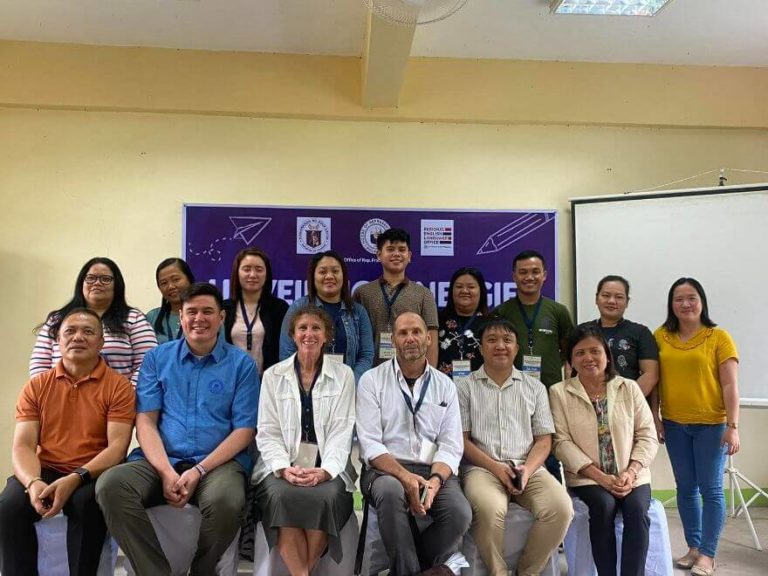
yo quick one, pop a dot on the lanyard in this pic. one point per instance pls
(389, 302)
(462, 338)
(168, 330)
(249, 324)
(407, 398)
(529, 322)
(303, 394)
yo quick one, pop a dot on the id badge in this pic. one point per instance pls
(427, 452)
(307, 457)
(461, 370)
(532, 366)
(335, 357)
(386, 349)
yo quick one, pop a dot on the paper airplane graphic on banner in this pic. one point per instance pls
(247, 228)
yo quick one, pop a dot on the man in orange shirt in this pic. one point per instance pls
(72, 423)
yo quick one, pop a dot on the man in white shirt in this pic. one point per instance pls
(409, 427)
(508, 431)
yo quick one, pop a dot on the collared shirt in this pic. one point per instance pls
(74, 414)
(412, 297)
(201, 401)
(385, 425)
(503, 420)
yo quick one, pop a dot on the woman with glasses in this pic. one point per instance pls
(459, 321)
(173, 276)
(699, 394)
(127, 334)
(328, 288)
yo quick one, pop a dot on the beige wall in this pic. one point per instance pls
(108, 180)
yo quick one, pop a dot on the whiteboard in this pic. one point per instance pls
(717, 235)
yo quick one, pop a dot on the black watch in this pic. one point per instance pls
(439, 477)
(85, 476)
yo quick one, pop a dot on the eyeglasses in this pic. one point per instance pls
(104, 279)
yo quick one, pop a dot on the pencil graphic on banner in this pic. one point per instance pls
(514, 231)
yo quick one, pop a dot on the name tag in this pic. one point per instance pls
(461, 369)
(307, 457)
(335, 357)
(532, 366)
(386, 349)
(427, 452)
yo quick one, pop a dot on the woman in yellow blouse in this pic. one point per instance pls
(699, 396)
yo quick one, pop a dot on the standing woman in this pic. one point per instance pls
(606, 440)
(632, 345)
(699, 395)
(459, 321)
(127, 334)
(328, 288)
(173, 275)
(304, 477)
(254, 315)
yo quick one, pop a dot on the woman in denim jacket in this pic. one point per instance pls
(328, 288)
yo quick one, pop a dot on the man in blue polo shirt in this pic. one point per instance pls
(197, 403)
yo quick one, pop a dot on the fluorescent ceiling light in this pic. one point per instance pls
(608, 7)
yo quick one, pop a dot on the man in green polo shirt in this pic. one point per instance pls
(543, 324)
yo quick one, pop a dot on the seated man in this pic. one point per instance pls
(507, 437)
(72, 422)
(197, 404)
(409, 428)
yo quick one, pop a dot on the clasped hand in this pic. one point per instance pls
(299, 476)
(621, 485)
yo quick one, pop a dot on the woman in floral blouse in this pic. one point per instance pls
(459, 348)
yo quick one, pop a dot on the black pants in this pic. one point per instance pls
(86, 529)
(602, 513)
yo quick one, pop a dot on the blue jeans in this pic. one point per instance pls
(697, 461)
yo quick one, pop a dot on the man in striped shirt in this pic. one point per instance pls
(507, 436)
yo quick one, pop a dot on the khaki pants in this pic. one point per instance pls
(544, 497)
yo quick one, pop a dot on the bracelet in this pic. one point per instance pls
(35, 479)
(200, 470)
(438, 476)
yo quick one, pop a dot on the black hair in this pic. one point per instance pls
(497, 323)
(482, 306)
(202, 289)
(613, 278)
(113, 319)
(81, 310)
(526, 255)
(165, 306)
(235, 289)
(346, 297)
(586, 331)
(393, 235)
(672, 324)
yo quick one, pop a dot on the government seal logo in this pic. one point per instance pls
(370, 232)
(313, 235)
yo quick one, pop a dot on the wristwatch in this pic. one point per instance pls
(734, 425)
(85, 476)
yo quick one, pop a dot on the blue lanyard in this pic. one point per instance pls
(249, 324)
(407, 398)
(529, 322)
(389, 302)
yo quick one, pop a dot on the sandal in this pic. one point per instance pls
(686, 562)
(701, 571)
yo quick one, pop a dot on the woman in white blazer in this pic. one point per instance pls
(304, 478)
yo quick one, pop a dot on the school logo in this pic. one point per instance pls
(370, 231)
(313, 235)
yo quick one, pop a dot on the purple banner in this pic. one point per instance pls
(441, 242)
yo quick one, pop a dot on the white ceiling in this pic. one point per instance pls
(706, 32)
